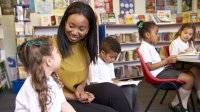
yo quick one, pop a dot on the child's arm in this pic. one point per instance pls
(66, 107)
(170, 59)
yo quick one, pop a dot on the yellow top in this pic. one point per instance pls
(73, 68)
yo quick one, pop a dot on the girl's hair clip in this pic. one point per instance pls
(35, 43)
(140, 25)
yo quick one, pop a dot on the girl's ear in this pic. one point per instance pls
(147, 34)
(49, 61)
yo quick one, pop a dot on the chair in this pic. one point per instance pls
(163, 84)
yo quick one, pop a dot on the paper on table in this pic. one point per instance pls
(129, 82)
(188, 54)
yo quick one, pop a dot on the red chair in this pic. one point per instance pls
(163, 84)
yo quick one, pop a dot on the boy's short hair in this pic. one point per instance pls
(109, 44)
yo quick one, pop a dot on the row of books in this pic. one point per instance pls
(162, 16)
(129, 55)
(127, 37)
(23, 28)
(110, 18)
(188, 17)
(53, 20)
(134, 37)
(128, 71)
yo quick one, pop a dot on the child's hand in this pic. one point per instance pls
(171, 59)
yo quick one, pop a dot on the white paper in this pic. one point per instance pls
(129, 82)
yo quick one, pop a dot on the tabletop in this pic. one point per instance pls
(191, 59)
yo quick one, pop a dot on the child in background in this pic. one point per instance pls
(184, 40)
(148, 31)
(42, 90)
(184, 43)
(103, 70)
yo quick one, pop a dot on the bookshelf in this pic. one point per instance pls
(23, 31)
(133, 65)
(120, 32)
(4, 81)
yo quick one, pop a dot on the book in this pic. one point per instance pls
(128, 82)
(198, 16)
(186, 17)
(111, 18)
(129, 19)
(104, 18)
(142, 18)
(164, 15)
(121, 19)
(193, 17)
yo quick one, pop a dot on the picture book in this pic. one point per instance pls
(121, 19)
(186, 17)
(111, 18)
(141, 18)
(135, 18)
(172, 5)
(150, 6)
(160, 4)
(193, 17)
(104, 18)
(186, 5)
(198, 16)
(129, 19)
(164, 15)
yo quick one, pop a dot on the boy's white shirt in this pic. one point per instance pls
(27, 98)
(177, 46)
(150, 54)
(101, 71)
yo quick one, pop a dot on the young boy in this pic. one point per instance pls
(103, 70)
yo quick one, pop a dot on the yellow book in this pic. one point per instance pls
(198, 16)
(129, 19)
(186, 17)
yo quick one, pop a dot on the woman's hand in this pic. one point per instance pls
(83, 96)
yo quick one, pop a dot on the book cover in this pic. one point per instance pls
(45, 20)
(142, 18)
(198, 17)
(164, 15)
(111, 18)
(104, 18)
(193, 17)
(172, 5)
(150, 6)
(121, 19)
(186, 17)
(160, 4)
(135, 18)
(129, 19)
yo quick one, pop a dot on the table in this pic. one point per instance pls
(189, 59)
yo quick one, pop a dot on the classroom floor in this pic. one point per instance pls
(7, 100)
